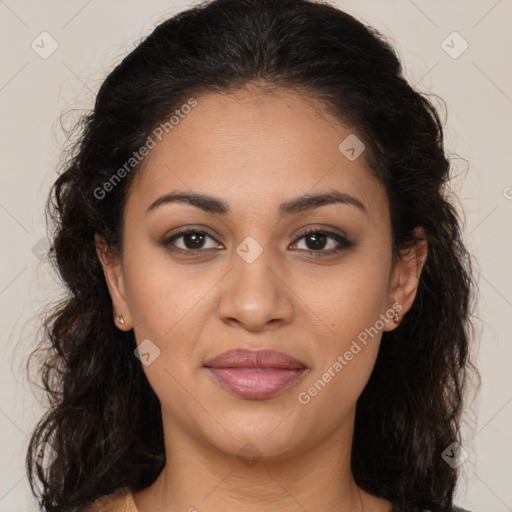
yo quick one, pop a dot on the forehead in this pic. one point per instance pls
(256, 147)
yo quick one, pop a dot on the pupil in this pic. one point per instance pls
(318, 240)
(195, 238)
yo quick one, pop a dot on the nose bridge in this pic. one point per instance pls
(253, 294)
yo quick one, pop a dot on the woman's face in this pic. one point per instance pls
(256, 280)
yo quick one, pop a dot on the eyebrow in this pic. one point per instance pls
(296, 205)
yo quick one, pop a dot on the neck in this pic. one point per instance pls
(199, 477)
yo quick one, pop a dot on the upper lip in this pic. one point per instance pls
(242, 358)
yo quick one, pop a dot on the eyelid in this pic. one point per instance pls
(330, 231)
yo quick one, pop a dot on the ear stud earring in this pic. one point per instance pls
(396, 318)
(119, 318)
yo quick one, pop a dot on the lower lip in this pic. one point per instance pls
(256, 383)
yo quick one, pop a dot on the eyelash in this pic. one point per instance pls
(343, 241)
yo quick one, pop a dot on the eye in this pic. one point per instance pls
(322, 243)
(189, 240)
(318, 242)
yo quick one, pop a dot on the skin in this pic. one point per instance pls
(254, 150)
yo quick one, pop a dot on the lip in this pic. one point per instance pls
(243, 358)
(255, 374)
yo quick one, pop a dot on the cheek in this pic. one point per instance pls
(344, 363)
(351, 307)
(161, 296)
(168, 307)
(352, 298)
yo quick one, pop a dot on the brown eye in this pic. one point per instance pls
(190, 240)
(322, 243)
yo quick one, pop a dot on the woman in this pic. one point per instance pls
(269, 296)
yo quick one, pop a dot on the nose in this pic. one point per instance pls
(255, 294)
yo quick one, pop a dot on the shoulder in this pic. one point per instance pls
(455, 509)
(119, 501)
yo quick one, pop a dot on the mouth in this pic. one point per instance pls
(255, 374)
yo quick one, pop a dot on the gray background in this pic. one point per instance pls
(36, 87)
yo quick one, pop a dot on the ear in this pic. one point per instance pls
(405, 276)
(113, 271)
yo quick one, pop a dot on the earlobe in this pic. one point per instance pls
(113, 272)
(406, 277)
